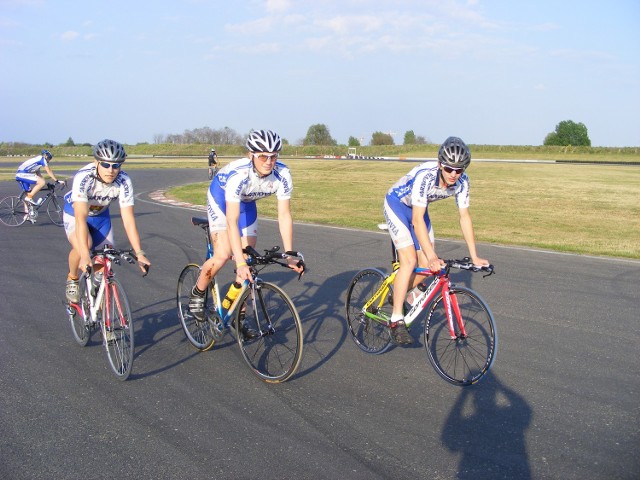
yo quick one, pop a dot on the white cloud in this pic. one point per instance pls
(277, 5)
(69, 36)
(539, 87)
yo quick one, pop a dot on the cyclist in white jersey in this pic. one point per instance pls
(30, 178)
(405, 210)
(232, 213)
(87, 221)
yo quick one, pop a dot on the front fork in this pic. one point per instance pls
(452, 310)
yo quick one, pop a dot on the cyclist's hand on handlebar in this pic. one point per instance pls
(436, 264)
(144, 264)
(480, 262)
(243, 272)
(297, 265)
(63, 183)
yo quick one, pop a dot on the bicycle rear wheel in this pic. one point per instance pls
(369, 335)
(201, 335)
(13, 211)
(55, 210)
(275, 354)
(461, 360)
(117, 328)
(78, 313)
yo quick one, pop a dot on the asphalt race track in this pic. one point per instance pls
(561, 401)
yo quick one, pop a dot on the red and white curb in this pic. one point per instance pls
(160, 196)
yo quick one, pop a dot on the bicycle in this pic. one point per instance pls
(460, 334)
(104, 306)
(275, 353)
(15, 210)
(213, 169)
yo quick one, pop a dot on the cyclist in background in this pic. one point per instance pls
(30, 178)
(87, 221)
(213, 158)
(405, 210)
(232, 213)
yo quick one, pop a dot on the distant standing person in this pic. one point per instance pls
(213, 163)
(30, 178)
(405, 209)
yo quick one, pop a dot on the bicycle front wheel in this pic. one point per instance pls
(275, 353)
(78, 314)
(118, 330)
(369, 335)
(201, 335)
(55, 210)
(464, 359)
(13, 211)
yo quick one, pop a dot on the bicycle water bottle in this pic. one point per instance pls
(97, 275)
(232, 294)
(414, 295)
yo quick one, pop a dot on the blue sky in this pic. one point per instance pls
(492, 72)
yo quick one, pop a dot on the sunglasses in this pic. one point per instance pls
(108, 165)
(457, 171)
(264, 157)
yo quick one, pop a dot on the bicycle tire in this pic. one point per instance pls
(13, 211)
(461, 361)
(118, 340)
(369, 335)
(78, 313)
(202, 335)
(275, 355)
(55, 210)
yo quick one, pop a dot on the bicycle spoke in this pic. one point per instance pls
(275, 354)
(369, 335)
(118, 330)
(202, 335)
(462, 360)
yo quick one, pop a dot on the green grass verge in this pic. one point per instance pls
(585, 209)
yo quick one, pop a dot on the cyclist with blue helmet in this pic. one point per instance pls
(30, 178)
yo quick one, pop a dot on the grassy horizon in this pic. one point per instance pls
(577, 208)
(584, 209)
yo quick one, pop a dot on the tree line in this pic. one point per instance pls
(566, 133)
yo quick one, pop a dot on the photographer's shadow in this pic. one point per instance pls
(487, 426)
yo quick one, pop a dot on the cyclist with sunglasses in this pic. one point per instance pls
(405, 210)
(232, 213)
(87, 221)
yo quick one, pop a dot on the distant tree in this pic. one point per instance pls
(420, 140)
(318, 134)
(409, 137)
(379, 138)
(69, 142)
(569, 132)
(206, 135)
(353, 142)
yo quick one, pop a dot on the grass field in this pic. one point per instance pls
(586, 209)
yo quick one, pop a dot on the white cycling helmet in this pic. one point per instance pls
(109, 151)
(454, 153)
(264, 141)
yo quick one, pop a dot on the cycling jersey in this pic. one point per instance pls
(421, 186)
(212, 158)
(32, 165)
(239, 182)
(88, 188)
